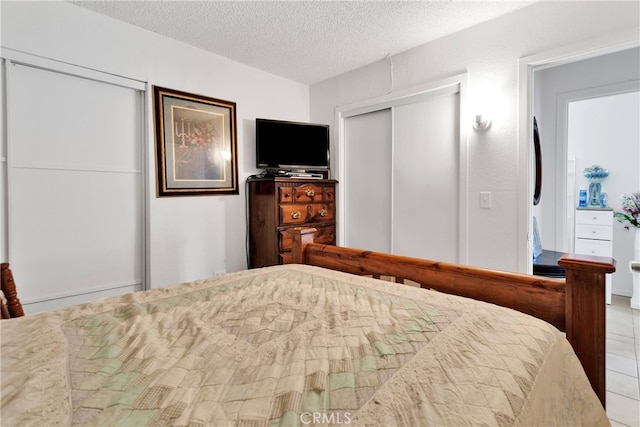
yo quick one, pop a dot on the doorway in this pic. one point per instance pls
(527, 67)
(587, 112)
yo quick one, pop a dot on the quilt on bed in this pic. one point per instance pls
(290, 345)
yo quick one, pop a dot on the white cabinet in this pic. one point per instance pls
(594, 236)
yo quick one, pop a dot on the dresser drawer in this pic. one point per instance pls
(286, 258)
(324, 234)
(594, 247)
(588, 231)
(307, 193)
(594, 217)
(329, 194)
(324, 212)
(285, 194)
(296, 213)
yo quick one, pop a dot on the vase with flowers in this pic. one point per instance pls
(630, 217)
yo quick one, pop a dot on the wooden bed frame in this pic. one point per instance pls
(575, 305)
(13, 307)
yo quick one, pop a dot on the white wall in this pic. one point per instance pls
(188, 237)
(490, 53)
(193, 237)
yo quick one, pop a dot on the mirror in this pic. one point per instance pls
(538, 164)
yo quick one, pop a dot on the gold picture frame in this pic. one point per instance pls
(196, 148)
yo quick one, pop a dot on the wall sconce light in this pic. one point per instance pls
(481, 123)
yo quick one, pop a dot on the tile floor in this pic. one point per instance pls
(623, 363)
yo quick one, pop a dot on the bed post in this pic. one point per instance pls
(300, 237)
(8, 286)
(586, 313)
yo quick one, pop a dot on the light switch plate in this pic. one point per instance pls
(485, 200)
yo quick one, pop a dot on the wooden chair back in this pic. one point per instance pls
(13, 306)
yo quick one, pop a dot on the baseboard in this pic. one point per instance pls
(66, 301)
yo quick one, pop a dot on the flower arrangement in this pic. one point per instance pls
(630, 210)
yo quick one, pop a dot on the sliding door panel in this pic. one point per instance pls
(76, 192)
(367, 181)
(426, 178)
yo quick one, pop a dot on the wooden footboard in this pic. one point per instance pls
(575, 305)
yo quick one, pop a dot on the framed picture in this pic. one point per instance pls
(196, 150)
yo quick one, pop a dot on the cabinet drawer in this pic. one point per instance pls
(322, 212)
(594, 247)
(307, 193)
(286, 258)
(294, 214)
(329, 194)
(600, 232)
(325, 235)
(285, 194)
(300, 214)
(594, 217)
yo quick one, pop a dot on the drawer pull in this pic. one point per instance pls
(323, 212)
(310, 192)
(296, 214)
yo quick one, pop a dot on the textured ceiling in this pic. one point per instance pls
(306, 41)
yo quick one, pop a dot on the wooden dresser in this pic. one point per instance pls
(277, 204)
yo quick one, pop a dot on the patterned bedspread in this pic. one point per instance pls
(290, 345)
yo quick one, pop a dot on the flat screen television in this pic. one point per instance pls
(291, 146)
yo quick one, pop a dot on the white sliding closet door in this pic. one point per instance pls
(426, 178)
(402, 177)
(76, 189)
(367, 187)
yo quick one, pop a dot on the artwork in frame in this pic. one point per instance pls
(196, 149)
